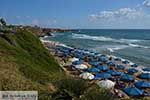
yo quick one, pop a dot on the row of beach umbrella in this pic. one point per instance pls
(101, 72)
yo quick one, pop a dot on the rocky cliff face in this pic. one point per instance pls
(44, 31)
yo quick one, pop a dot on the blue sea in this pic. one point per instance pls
(133, 45)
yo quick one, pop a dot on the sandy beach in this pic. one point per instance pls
(66, 63)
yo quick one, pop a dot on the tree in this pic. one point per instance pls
(2, 21)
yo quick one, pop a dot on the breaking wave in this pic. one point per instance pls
(114, 48)
(103, 38)
(117, 47)
(138, 46)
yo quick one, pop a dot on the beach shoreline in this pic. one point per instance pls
(64, 63)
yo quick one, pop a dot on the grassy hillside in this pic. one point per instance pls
(24, 63)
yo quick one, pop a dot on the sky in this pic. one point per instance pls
(83, 14)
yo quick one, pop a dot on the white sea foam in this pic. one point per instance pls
(56, 43)
(138, 46)
(61, 44)
(126, 42)
(103, 38)
(99, 38)
(113, 48)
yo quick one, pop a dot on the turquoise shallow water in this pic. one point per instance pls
(129, 44)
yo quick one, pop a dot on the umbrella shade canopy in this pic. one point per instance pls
(134, 65)
(133, 91)
(142, 84)
(145, 76)
(94, 63)
(117, 59)
(92, 59)
(107, 84)
(95, 70)
(77, 62)
(115, 73)
(86, 52)
(103, 68)
(81, 66)
(81, 56)
(74, 59)
(110, 71)
(132, 71)
(103, 59)
(120, 67)
(127, 78)
(102, 76)
(125, 62)
(65, 54)
(96, 53)
(146, 69)
(86, 75)
(111, 64)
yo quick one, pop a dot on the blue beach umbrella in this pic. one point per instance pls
(127, 78)
(103, 67)
(133, 91)
(77, 62)
(120, 67)
(86, 50)
(95, 70)
(79, 55)
(111, 64)
(125, 62)
(132, 71)
(102, 76)
(145, 76)
(116, 73)
(96, 53)
(134, 65)
(94, 63)
(103, 58)
(142, 84)
(110, 71)
(117, 59)
(91, 54)
(92, 59)
(66, 54)
(146, 69)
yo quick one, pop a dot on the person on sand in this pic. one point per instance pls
(116, 91)
(110, 58)
(120, 95)
(86, 59)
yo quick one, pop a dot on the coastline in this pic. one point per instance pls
(49, 43)
(65, 63)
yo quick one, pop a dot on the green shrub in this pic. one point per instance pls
(73, 87)
(95, 93)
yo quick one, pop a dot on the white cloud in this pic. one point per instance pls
(123, 17)
(146, 3)
(123, 13)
